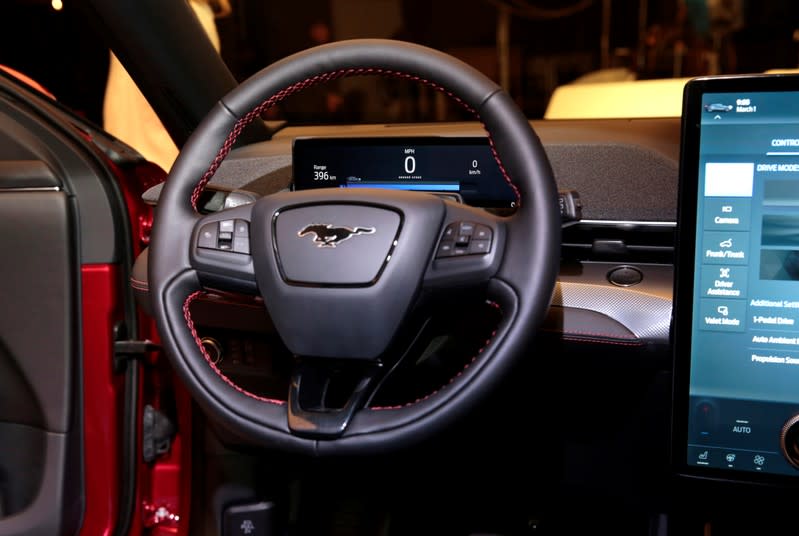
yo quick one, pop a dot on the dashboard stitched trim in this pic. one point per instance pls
(248, 118)
(605, 338)
(576, 338)
(187, 315)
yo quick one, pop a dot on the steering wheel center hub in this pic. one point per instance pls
(334, 244)
(337, 269)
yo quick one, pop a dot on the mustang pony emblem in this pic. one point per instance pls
(328, 236)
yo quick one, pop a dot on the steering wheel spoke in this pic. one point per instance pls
(325, 394)
(220, 251)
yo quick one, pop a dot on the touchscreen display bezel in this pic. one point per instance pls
(685, 277)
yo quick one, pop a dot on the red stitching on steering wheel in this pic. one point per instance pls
(190, 322)
(496, 306)
(245, 120)
(248, 118)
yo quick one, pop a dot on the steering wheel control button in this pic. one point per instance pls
(466, 228)
(242, 229)
(625, 276)
(445, 249)
(482, 232)
(208, 236)
(335, 244)
(225, 241)
(479, 247)
(450, 231)
(241, 244)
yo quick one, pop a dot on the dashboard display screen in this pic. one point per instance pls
(737, 313)
(462, 167)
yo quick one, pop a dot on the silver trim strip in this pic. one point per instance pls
(626, 222)
(32, 189)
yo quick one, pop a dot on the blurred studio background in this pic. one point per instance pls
(529, 46)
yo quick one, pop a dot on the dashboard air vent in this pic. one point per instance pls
(617, 241)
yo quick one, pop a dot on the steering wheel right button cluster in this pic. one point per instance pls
(465, 238)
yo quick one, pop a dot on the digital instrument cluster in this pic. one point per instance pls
(463, 168)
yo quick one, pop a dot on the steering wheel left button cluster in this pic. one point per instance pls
(221, 252)
(226, 235)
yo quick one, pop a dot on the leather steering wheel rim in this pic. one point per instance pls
(521, 284)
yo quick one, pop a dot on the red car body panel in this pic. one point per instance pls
(102, 395)
(163, 487)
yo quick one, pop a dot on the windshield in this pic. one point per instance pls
(575, 58)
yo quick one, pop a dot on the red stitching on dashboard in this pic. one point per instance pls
(458, 375)
(607, 338)
(190, 323)
(248, 118)
(598, 334)
(601, 341)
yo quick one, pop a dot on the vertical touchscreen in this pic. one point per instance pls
(744, 352)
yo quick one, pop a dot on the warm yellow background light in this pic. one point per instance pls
(638, 98)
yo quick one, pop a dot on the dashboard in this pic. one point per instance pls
(616, 279)
(614, 291)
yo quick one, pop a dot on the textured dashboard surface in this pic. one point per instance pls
(624, 170)
(646, 315)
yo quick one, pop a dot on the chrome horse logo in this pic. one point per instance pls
(326, 235)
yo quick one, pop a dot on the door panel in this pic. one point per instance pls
(60, 210)
(38, 357)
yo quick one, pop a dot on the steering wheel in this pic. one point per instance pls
(340, 269)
